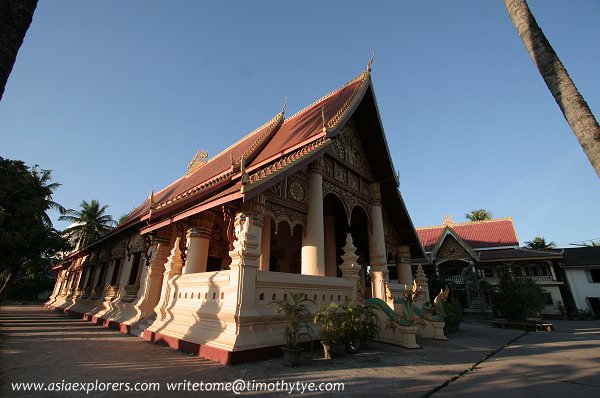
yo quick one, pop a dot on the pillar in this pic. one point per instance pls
(245, 260)
(379, 270)
(265, 244)
(330, 247)
(404, 269)
(313, 255)
(155, 275)
(198, 239)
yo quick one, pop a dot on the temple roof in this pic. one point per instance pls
(581, 257)
(275, 150)
(519, 253)
(479, 234)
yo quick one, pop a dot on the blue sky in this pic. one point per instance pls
(116, 97)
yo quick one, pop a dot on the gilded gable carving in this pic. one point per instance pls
(452, 250)
(280, 213)
(349, 148)
(349, 200)
(296, 191)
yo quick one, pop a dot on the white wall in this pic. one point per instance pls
(581, 287)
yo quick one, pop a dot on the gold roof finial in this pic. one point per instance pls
(198, 160)
(370, 64)
(448, 220)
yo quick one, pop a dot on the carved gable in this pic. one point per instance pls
(451, 249)
(349, 148)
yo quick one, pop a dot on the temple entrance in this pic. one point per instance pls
(360, 230)
(286, 245)
(336, 228)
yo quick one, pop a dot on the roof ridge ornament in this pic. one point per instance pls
(284, 106)
(370, 64)
(152, 204)
(323, 119)
(197, 161)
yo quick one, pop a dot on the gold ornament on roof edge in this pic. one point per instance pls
(199, 160)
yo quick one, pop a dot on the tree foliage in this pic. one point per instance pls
(27, 238)
(539, 243)
(88, 224)
(518, 297)
(478, 215)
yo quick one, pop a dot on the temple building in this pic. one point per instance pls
(197, 265)
(481, 248)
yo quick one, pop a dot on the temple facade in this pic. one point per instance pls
(308, 203)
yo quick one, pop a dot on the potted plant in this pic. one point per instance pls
(296, 315)
(454, 311)
(329, 334)
(351, 326)
(370, 325)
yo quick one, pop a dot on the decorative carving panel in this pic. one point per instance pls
(348, 147)
(452, 250)
(348, 199)
(280, 213)
(296, 191)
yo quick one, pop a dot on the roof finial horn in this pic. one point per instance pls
(370, 64)
(284, 106)
(323, 118)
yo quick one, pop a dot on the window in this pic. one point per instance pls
(594, 275)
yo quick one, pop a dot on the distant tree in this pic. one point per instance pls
(88, 224)
(518, 297)
(539, 243)
(574, 108)
(478, 215)
(15, 18)
(27, 239)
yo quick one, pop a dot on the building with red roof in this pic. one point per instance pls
(459, 253)
(305, 203)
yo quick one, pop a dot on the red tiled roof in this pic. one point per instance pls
(479, 235)
(518, 253)
(261, 148)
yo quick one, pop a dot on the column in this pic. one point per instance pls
(330, 247)
(379, 271)
(313, 256)
(405, 276)
(265, 244)
(198, 238)
(156, 269)
(245, 260)
(173, 267)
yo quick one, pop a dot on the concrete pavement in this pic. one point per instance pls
(39, 345)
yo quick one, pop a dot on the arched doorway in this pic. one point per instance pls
(360, 230)
(336, 228)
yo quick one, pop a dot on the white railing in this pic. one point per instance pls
(322, 290)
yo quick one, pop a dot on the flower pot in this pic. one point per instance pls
(291, 356)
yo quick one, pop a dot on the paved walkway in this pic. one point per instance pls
(39, 345)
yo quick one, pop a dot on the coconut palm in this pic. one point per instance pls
(571, 103)
(478, 215)
(88, 224)
(44, 178)
(539, 243)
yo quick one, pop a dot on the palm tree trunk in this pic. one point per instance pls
(15, 18)
(571, 103)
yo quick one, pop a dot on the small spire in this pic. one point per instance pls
(448, 220)
(284, 106)
(243, 172)
(370, 64)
